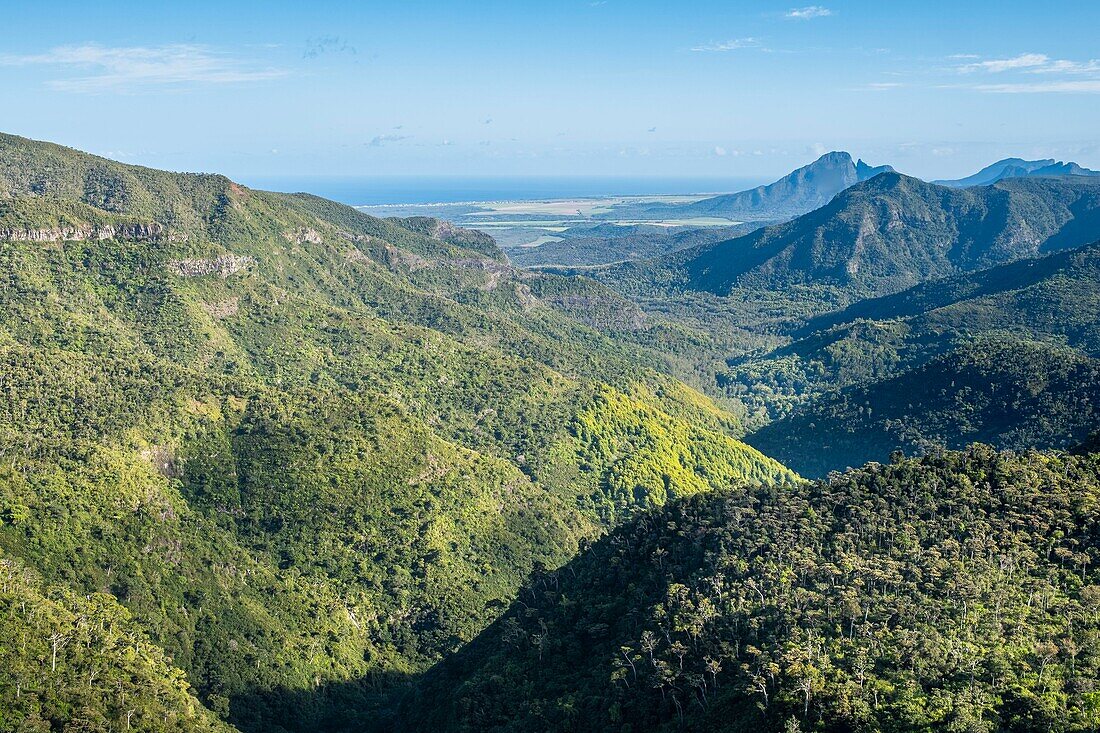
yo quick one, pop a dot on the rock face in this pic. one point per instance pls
(224, 265)
(136, 231)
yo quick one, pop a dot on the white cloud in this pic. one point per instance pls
(720, 151)
(1080, 86)
(1059, 75)
(730, 45)
(808, 12)
(1070, 67)
(133, 67)
(997, 66)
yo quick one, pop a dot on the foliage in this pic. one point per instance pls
(304, 448)
(83, 660)
(954, 592)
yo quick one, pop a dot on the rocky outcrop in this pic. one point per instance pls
(399, 257)
(136, 231)
(303, 235)
(224, 265)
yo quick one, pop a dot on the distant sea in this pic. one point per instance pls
(364, 191)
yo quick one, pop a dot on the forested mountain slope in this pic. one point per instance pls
(302, 445)
(1052, 299)
(955, 592)
(882, 236)
(1003, 391)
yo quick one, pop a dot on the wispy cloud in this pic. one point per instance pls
(122, 69)
(731, 45)
(1083, 86)
(807, 13)
(1062, 76)
(997, 66)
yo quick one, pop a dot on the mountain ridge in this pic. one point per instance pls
(1018, 168)
(798, 192)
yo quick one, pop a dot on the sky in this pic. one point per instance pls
(567, 88)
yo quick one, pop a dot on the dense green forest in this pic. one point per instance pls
(957, 592)
(269, 463)
(1006, 392)
(303, 447)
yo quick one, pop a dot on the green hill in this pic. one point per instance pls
(955, 592)
(1005, 392)
(1052, 299)
(301, 446)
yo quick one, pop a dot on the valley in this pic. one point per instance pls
(283, 465)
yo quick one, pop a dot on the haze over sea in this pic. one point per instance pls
(373, 191)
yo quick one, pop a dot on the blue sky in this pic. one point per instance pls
(609, 88)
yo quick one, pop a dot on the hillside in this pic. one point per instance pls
(1005, 392)
(955, 592)
(602, 245)
(1053, 299)
(305, 447)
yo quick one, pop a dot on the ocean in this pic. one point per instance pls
(374, 191)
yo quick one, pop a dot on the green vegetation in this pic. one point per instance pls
(884, 235)
(600, 245)
(270, 463)
(954, 592)
(82, 660)
(1007, 392)
(303, 448)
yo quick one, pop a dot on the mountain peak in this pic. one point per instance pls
(800, 191)
(835, 157)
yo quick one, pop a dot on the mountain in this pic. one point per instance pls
(1005, 356)
(799, 192)
(953, 592)
(276, 445)
(1018, 168)
(1064, 169)
(1052, 299)
(882, 236)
